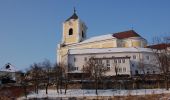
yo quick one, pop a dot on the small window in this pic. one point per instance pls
(133, 65)
(74, 59)
(119, 60)
(134, 56)
(120, 70)
(100, 61)
(108, 68)
(136, 72)
(123, 60)
(107, 62)
(70, 31)
(115, 61)
(75, 68)
(124, 69)
(147, 57)
(85, 59)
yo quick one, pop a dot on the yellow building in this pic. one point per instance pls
(74, 37)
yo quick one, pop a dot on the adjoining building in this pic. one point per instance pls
(8, 73)
(126, 49)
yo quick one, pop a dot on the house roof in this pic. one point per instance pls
(9, 68)
(126, 34)
(108, 50)
(159, 46)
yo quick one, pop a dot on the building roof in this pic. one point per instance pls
(126, 34)
(159, 46)
(119, 35)
(98, 38)
(74, 16)
(108, 50)
(9, 68)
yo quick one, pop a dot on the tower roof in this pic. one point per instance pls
(74, 16)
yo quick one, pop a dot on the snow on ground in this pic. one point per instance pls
(87, 92)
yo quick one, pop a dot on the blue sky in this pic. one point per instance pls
(31, 29)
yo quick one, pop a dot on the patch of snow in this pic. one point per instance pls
(88, 92)
(108, 50)
(98, 38)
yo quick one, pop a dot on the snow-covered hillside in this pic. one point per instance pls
(86, 93)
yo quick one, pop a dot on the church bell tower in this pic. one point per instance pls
(74, 30)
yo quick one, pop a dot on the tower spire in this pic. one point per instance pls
(74, 10)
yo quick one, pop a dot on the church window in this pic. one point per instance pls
(70, 31)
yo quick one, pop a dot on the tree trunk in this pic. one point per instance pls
(25, 90)
(96, 85)
(57, 87)
(46, 88)
(166, 83)
(37, 89)
(66, 87)
(158, 84)
(61, 86)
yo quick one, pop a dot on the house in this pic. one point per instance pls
(8, 73)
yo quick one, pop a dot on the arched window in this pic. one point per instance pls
(70, 31)
(82, 34)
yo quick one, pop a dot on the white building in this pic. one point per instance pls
(129, 61)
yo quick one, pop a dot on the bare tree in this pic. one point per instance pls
(36, 75)
(47, 76)
(162, 54)
(96, 69)
(24, 82)
(56, 73)
(61, 77)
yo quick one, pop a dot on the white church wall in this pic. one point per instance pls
(136, 58)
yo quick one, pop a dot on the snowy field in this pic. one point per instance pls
(86, 93)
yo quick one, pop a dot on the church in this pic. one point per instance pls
(124, 50)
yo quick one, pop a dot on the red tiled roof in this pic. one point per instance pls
(159, 46)
(126, 34)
